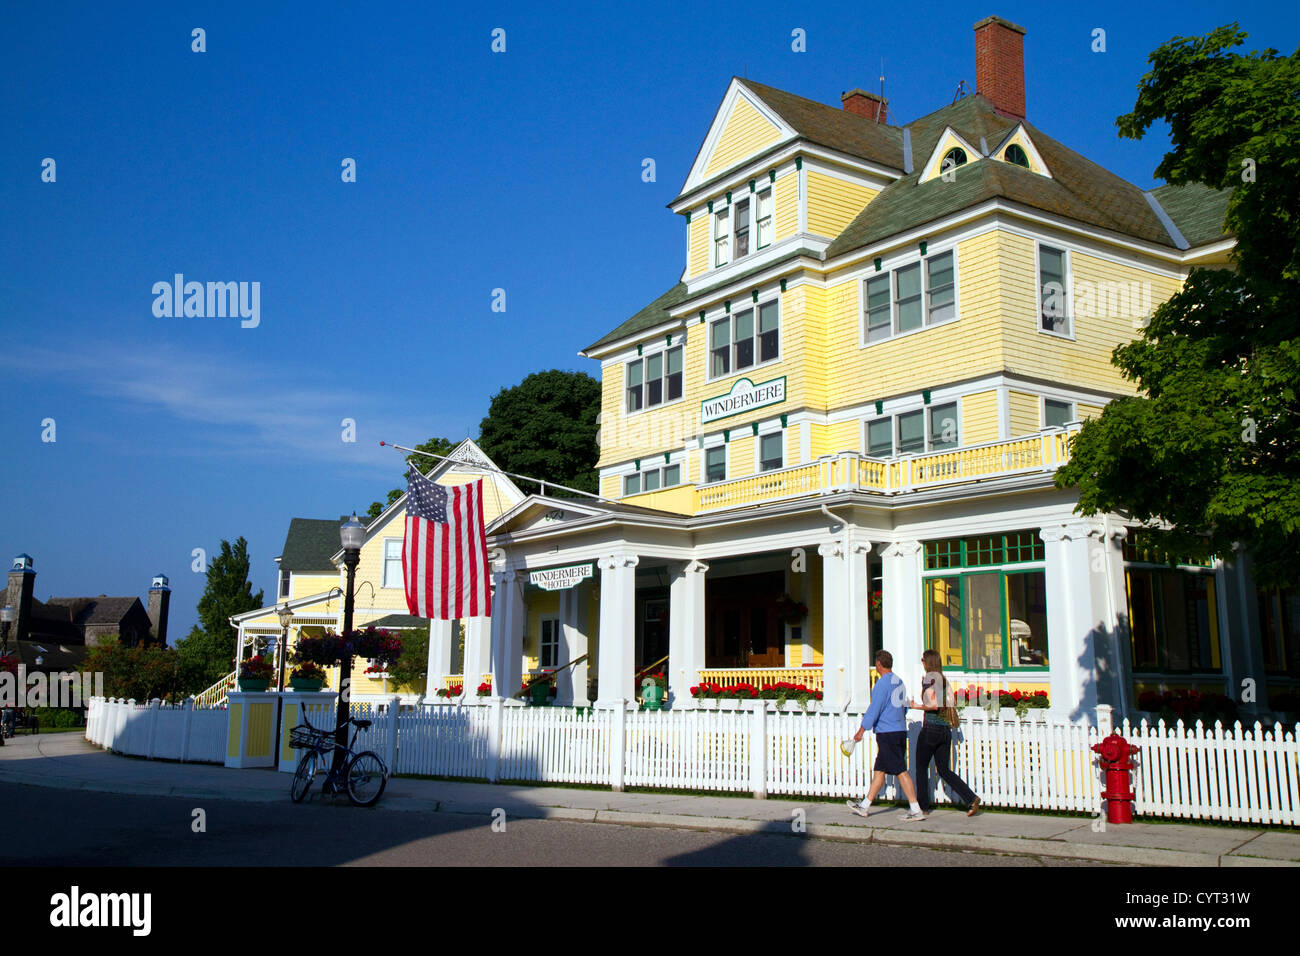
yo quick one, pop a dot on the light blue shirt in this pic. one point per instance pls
(887, 711)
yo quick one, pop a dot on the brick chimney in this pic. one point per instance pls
(160, 597)
(870, 105)
(1000, 65)
(22, 582)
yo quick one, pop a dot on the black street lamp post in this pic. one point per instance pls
(282, 649)
(352, 533)
(7, 616)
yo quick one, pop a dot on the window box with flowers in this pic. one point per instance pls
(255, 673)
(307, 677)
(484, 689)
(1012, 703)
(454, 690)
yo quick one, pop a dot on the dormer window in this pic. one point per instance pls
(764, 216)
(736, 227)
(1016, 155)
(953, 158)
(742, 228)
(721, 237)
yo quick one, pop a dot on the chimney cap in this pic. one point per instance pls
(998, 20)
(22, 562)
(856, 92)
(159, 582)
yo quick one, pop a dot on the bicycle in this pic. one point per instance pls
(360, 772)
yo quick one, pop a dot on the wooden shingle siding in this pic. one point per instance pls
(965, 348)
(740, 455)
(698, 252)
(1026, 413)
(746, 132)
(785, 199)
(833, 203)
(1084, 411)
(979, 418)
(844, 436)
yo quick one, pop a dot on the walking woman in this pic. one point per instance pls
(936, 736)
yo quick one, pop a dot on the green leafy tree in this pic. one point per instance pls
(138, 673)
(1212, 443)
(434, 446)
(207, 652)
(545, 427)
(411, 669)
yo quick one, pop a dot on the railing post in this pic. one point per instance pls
(618, 747)
(1105, 720)
(187, 728)
(394, 711)
(758, 751)
(153, 727)
(494, 739)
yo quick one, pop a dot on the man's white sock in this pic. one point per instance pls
(916, 807)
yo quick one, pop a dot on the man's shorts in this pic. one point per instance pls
(891, 752)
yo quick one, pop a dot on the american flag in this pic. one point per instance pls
(444, 553)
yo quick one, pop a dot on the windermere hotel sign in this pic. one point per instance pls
(744, 395)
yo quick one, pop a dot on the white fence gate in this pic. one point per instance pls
(165, 731)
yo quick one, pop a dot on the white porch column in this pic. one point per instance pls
(571, 685)
(1073, 616)
(686, 623)
(1116, 690)
(507, 632)
(478, 654)
(902, 607)
(835, 652)
(617, 628)
(1241, 647)
(440, 648)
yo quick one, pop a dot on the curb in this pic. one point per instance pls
(1019, 846)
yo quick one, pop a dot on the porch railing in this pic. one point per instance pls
(850, 471)
(810, 677)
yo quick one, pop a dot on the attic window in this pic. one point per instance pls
(1016, 155)
(953, 158)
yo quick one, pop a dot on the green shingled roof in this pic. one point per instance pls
(309, 545)
(399, 620)
(1078, 188)
(1196, 210)
(656, 313)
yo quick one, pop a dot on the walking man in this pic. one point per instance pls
(886, 717)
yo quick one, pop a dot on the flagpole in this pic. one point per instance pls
(510, 474)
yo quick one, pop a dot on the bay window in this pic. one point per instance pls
(654, 379)
(749, 337)
(911, 297)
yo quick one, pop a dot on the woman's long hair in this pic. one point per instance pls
(933, 664)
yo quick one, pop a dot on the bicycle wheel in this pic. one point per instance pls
(367, 776)
(303, 776)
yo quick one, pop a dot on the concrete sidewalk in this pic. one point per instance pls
(68, 761)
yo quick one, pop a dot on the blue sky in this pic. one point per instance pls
(475, 171)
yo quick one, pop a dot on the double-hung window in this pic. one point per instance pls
(1054, 306)
(1056, 414)
(763, 217)
(907, 432)
(742, 228)
(715, 463)
(393, 563)
(909, 298)
(652, 479)
(721, 237)
(654, 379)
(747, 338)
(548, 645)
(771, 452)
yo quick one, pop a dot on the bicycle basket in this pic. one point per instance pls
(303, 737)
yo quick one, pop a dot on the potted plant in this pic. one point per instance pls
(653, 691)
(255, 673)
(484, 689)
(537, 690)
(307, 677)
(453, 690)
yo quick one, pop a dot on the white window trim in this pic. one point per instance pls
(892, 417)
(645, 391)
(770, 189)
(559, 638)
(893, 303)
(1067, 259)
(764, 432)
(751, 215)
(708, 445)
(660, 467)
(714, 236)
(734, 372)
(383, 577)
(1042, 410)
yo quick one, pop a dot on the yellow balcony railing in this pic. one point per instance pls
(810, 677)
(849, 471)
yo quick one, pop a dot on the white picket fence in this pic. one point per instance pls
(1241, 774)
(157, 730)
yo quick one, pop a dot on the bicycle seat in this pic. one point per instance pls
(362, 724)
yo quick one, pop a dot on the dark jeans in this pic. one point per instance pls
(936, 742)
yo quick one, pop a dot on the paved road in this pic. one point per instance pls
(78, 828)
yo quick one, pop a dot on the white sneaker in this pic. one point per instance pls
(912, 816)
(858, 808)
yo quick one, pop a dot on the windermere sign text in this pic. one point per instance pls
(560, 579)
(744, 395)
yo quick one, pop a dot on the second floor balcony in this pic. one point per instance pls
(1041, 453)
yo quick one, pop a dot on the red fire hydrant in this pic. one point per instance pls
(1115, 751)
